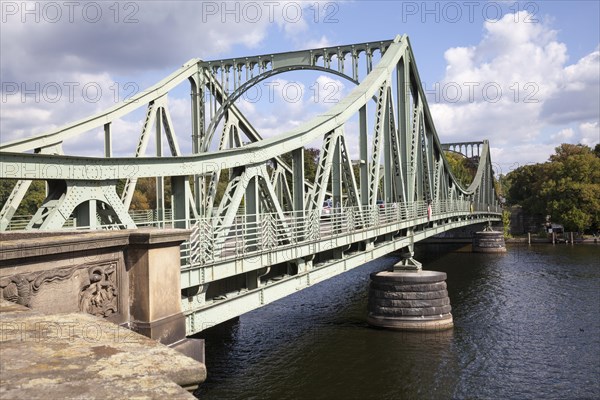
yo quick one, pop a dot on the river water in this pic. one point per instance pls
(526, 326)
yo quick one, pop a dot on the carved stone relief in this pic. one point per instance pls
(99, 297)
(97, 285)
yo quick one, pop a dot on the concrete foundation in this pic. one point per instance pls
(409, 300)
(488, 241)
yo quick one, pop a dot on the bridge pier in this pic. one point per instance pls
(489, 241)
(408, 298)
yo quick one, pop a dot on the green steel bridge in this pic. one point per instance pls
(267, 237)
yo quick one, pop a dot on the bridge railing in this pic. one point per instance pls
(142, 218)
(251, 234)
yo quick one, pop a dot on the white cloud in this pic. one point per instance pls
(590, 133)
(507, 159)
(134, 39)
(317, 44)
(278, 105)
(327, 91)
(36, 107)
(563, 135)
(514, 84)
(141, 36)
(511, 86)
(578, 97)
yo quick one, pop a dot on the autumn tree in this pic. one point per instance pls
(144, 196)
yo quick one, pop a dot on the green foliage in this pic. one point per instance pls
(502, 184)
(506, 223)
(567, 187)
(221, 185)
(356, 171)
(462, 169)
(6, 186)
(144, 196)
(33, 198)
(311, 161)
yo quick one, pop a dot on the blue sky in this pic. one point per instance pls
(543, 56)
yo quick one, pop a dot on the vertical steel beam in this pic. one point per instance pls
(380, 121)
(348, 176)
(160, 182)
(298, 188)
(85, 214)
(252, 201)
(198, 122)
(107, 140)
(336, 176)
(404, 130)
(364, 155)
(388, 166)
(180, 202)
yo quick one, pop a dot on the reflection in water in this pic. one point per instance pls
(527, 325)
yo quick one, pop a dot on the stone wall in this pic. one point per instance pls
(130, 277)
(522, 222)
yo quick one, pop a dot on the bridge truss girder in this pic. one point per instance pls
(270, 213)
(405, 162)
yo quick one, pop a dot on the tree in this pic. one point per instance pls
(139, 201)
(144, 196)
(311, 161)
(567, 187)
(502, 185)
(506, 223)
(462, 170)
(33, 198)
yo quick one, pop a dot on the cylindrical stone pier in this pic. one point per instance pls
(409, 301)
(488, 241)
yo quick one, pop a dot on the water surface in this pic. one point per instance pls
(527, 326)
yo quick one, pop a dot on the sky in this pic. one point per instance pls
(524, 75)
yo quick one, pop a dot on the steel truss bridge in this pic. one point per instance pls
(267, 236)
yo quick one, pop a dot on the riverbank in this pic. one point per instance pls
(537, 240)
(514, 240)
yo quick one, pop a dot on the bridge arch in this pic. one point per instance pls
(231, 98)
